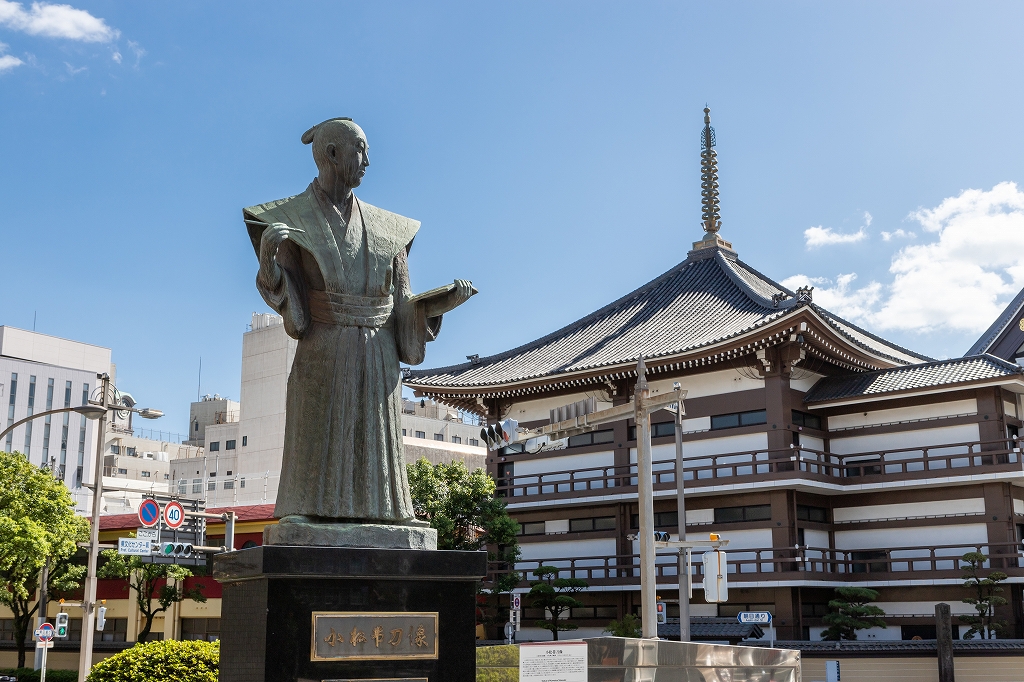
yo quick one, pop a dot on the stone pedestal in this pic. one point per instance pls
(270, 595)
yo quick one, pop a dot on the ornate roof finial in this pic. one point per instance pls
(709, 177)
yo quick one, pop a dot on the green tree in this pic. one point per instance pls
(557, 596)
(851, 611)
(37, 525)
(986, 597)
(629, 626)
(461, 506)
(149, 581)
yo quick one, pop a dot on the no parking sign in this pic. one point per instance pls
(149, 513)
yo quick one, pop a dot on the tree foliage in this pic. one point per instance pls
(37, 526)
(851, 611)
(165, 661)
(629, 626)
(986, 597)
(149, 581)
(557, 596)
(461, 506)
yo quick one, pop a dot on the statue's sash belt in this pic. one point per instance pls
(345, 310)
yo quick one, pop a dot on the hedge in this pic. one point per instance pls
(30, 675)
(162, 661)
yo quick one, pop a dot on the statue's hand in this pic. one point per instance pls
(270, 242)
(463, 291)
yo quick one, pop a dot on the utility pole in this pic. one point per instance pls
(89, 602)
(645, 498)
(684, 563)
(41, 612)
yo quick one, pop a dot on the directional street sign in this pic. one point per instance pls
(174, 514)
(754, 617)
(134, 547)
(149, 513)
(45, 632)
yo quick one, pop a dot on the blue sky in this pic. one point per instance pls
(550, 149)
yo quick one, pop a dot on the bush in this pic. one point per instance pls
(164, 661)
(30, 675)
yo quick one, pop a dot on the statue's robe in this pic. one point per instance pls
(344, 294)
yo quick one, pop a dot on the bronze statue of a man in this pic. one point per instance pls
(335, 268)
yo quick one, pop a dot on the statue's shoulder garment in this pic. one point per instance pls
(351, 311)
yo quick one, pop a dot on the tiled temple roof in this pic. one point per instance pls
(914, 377)
(708, 298)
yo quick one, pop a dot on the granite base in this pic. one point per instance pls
(372, 535)
(271, 592)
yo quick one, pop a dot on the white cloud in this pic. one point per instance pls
(116, 56)
(824, 236)
(137, 51)
(898, 234)
(8, 62)
(867, 219)
(72, 71)
(838, 296)
(961, 281)
(55, 21)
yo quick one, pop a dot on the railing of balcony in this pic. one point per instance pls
(772, 465)
(805, 563)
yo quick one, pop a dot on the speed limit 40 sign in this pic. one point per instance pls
(174, 514)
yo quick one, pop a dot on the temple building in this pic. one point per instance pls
(826, 455)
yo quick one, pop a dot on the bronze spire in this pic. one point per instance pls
(709, 178)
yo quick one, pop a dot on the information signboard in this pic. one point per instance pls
(134, 547)
(151, 534)
(553, 662)
(754, 617)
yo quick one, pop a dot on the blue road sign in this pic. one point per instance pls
(45, 632)
(149, 513)
(755, 617)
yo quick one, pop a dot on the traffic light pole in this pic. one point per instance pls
(40, 657)
(684, 556)
(89, 602)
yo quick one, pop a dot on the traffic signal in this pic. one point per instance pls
(174, 549)
(716, 577)
(662, 613)
(661, 536)
(101, 618)
(499, 435)
(61, 626)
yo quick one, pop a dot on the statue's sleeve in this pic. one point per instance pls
(288, 294)
(413, 329)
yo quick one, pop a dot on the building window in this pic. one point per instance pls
(439, 436)
(10, 410)
(241, 482)
(115, 449)
(197, 486)
(245, 441)
(131, 452)
(31, 410)
(229, 445)
(456, 439)
(533, 528)
(593, 438)
(812, 514)
(116, 630)
(207, 629)
(404, 433)
(729, 421)
(661, 520)
(756, 512)
(474, 442)
(811, 421)
(229, 485)
(183, 486)
(421, 434)
(145, 474)
(46, 424)
(64, 430)
(197, 426)
(595, 523)
(215, 446)
(122, 472)
(659, 430)
(211, 485)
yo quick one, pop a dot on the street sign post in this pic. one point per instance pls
(759, 618)
(174, 514)
(517, 602)
(149, 513)
(45, 636)
(134, 547)
(151, 534)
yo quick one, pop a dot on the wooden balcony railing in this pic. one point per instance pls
(805, 563)
(898, 464)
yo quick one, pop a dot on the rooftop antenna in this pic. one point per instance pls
(709, 178)
(199, 389)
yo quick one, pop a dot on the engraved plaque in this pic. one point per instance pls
(361, 635)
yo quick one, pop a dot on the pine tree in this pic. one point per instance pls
(986, 597)
(851, 611)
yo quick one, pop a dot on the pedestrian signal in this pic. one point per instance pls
(101, 618)
(61, 626)
(662, 613)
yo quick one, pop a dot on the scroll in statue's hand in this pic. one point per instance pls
(439, 301)
(273, 236)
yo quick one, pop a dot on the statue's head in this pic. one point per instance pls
(340, 149)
